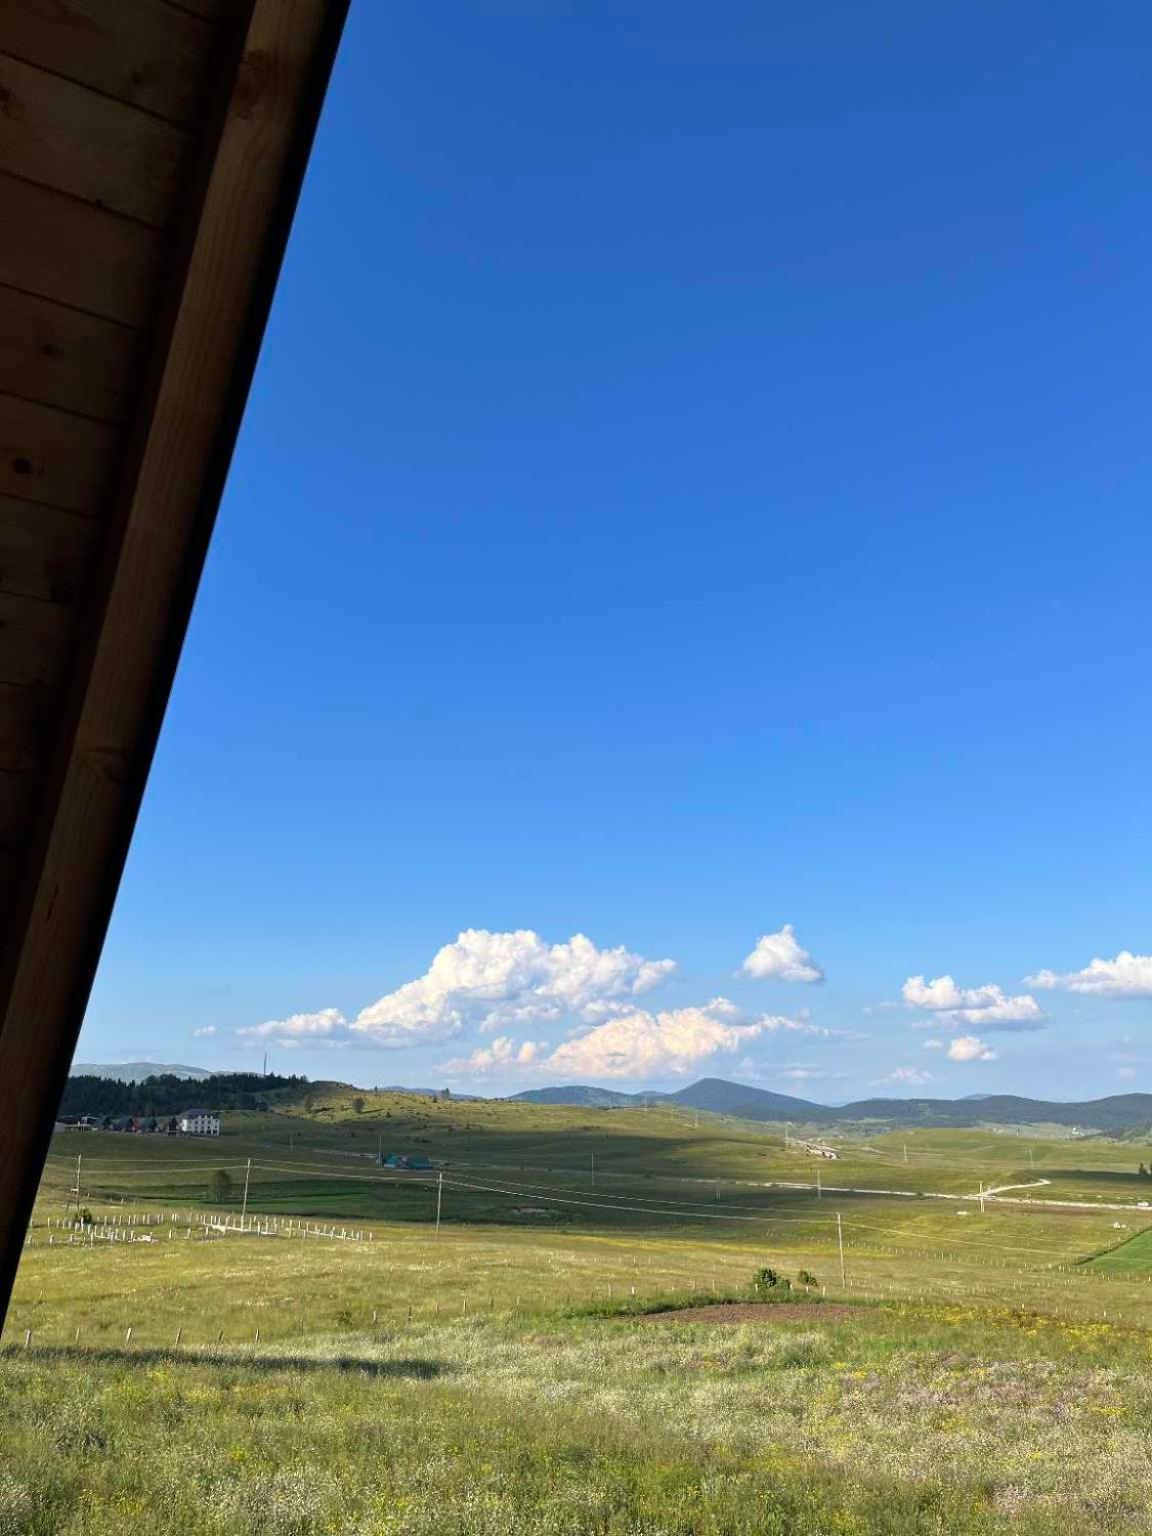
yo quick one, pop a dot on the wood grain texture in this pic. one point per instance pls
(45, 553)
(17, 794)
(34, 638)
(63, 357)
(208, 9)
(65, 136)
(49, 456)
(27, 716)
(72, 253)
(149, 55)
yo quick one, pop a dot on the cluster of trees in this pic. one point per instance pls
(1145, 1173)
(168, 1095)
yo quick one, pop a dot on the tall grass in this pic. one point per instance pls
(899, 1422)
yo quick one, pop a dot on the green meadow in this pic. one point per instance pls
(345, 1366)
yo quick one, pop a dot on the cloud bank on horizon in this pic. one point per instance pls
(492, 983)
(514, 985)
(641, 1044)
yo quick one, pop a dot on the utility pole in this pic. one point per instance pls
(244, 1209)
(818, 1191)
(380, 1149)
(840, 1243)
(787, 1132)
(981, 1199)
(439, 1199)
(76, 1191)
(1031, 1159)
(905, 1152)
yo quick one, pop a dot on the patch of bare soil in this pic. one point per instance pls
(753, 1312)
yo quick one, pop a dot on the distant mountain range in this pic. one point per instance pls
(718, 1097)
(136, 1071)
(1121, 1112)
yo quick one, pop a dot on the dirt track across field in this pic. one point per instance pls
(754, 1312)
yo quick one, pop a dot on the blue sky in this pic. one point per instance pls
(696, 481)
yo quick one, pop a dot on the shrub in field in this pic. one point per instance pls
(807, 1278)
(766, 1283)
(220, 1187)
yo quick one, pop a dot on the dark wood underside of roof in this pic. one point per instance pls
(150, 155)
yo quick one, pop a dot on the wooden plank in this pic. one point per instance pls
(34, 640)
(143, 53)
(52, 457)
(27, 717)
(75, 254)
(17, 797)
(64, 357)
(169, 486)
(67, 137)
(44, 553)
(17, 803)
(206, 8)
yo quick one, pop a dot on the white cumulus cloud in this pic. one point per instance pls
(498, 980)
(987, 1007)
(327, 1027)
(969, 1048)
(485, 981)
(654, 1045)
(637, 1044)
(204, 1032)
(1128, 975)
(778, 957)
(503, 1055)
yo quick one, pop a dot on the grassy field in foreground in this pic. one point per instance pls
(891, 1420)
(992, 1372)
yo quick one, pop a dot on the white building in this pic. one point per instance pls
(199, 1122)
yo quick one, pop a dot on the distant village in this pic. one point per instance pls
(191, 1122)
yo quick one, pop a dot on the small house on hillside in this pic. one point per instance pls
(199, 1122)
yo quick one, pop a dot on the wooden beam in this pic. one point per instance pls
(164, 507)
